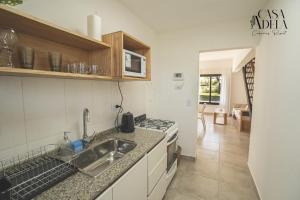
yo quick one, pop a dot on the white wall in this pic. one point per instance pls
(36, 111)
(274, 156)
(179, 52)
(238, 91)
(223, 67)
(242, 58)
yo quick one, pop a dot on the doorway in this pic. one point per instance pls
(221, 86)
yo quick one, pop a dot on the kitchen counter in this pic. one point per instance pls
(83, 187)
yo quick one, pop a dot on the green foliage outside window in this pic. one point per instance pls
(11, 2)
(210, 86)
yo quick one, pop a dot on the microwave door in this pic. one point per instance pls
(133, 64)
(127, 61)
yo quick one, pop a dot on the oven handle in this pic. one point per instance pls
(176, 138)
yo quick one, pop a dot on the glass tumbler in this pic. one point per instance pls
(94, 69)
(82, 68)
(55, 59)
(72, 68)
(8, 39)
(27, 57)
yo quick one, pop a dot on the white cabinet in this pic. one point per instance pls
(159, 190)
(107, 195)
(146, 180)
(133, 184)
(157, 164)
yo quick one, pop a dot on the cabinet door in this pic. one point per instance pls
(157, 164)
(133, 184)
(159, 190)
(107, 195)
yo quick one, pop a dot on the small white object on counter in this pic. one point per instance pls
(94, 26)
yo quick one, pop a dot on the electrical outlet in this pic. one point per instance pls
(114, 108)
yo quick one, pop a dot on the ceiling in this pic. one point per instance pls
(223, 55)
(238, 57)
(169, 15)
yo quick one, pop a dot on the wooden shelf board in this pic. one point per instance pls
(129, 78)
(8, 71)
(30, 25)
(131, 42)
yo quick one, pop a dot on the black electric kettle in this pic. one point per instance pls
(127, 125)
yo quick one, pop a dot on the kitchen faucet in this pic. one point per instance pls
(86, 118)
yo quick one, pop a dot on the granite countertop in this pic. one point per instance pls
(84, 187)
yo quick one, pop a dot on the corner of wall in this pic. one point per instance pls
(258, 193)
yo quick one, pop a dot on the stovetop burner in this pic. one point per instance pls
(155, 124)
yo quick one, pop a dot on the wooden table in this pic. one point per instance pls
(222, 113)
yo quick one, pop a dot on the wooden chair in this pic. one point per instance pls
(201, 116)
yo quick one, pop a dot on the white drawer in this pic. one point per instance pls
(159, 190)
(157, 164)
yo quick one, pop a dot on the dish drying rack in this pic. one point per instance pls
(25, 176)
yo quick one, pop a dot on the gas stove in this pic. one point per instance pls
(170, 128)
(153, 124)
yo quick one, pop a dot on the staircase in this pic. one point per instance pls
(248, 72)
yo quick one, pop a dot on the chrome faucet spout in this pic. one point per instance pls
(86, 118)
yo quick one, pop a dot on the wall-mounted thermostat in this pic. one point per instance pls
(178, 76)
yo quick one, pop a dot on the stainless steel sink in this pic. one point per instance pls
(98, 157)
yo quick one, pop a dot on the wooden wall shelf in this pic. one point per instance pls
(9, 71)
(120, 41)
(33, 26)
(46, 37)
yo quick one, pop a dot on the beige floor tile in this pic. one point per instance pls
(174, 194)
(203, 167)
(212, 146)
(233, 159)
(234, 149)
(235, 175)
(196, 185)
(207, 155)
(220, 171)
(234, 192)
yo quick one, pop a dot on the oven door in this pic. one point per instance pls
(171, 150)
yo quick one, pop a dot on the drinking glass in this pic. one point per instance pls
(72, 68)
(55, 59)
(93, 69)
(82, 68)
(8, 39)
(27, 57)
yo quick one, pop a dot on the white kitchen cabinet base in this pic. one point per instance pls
(159, 190)
(107, 195)
(133, 184)
(171, 173)
(157, 164)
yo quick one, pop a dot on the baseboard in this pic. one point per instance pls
(254, 182)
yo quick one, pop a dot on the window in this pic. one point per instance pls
(210, 88)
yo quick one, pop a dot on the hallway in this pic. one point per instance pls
(220, 170)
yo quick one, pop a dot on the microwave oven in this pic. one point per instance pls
(134, 64)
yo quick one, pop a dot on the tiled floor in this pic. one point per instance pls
(220, 171)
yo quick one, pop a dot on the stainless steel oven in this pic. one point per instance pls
(171, 150)
(171, 155)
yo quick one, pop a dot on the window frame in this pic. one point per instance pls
(210, 76)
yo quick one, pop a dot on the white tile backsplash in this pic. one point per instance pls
(12, 125)
(103, 115)
(44, 107)
(36, 111)
(78, 95)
